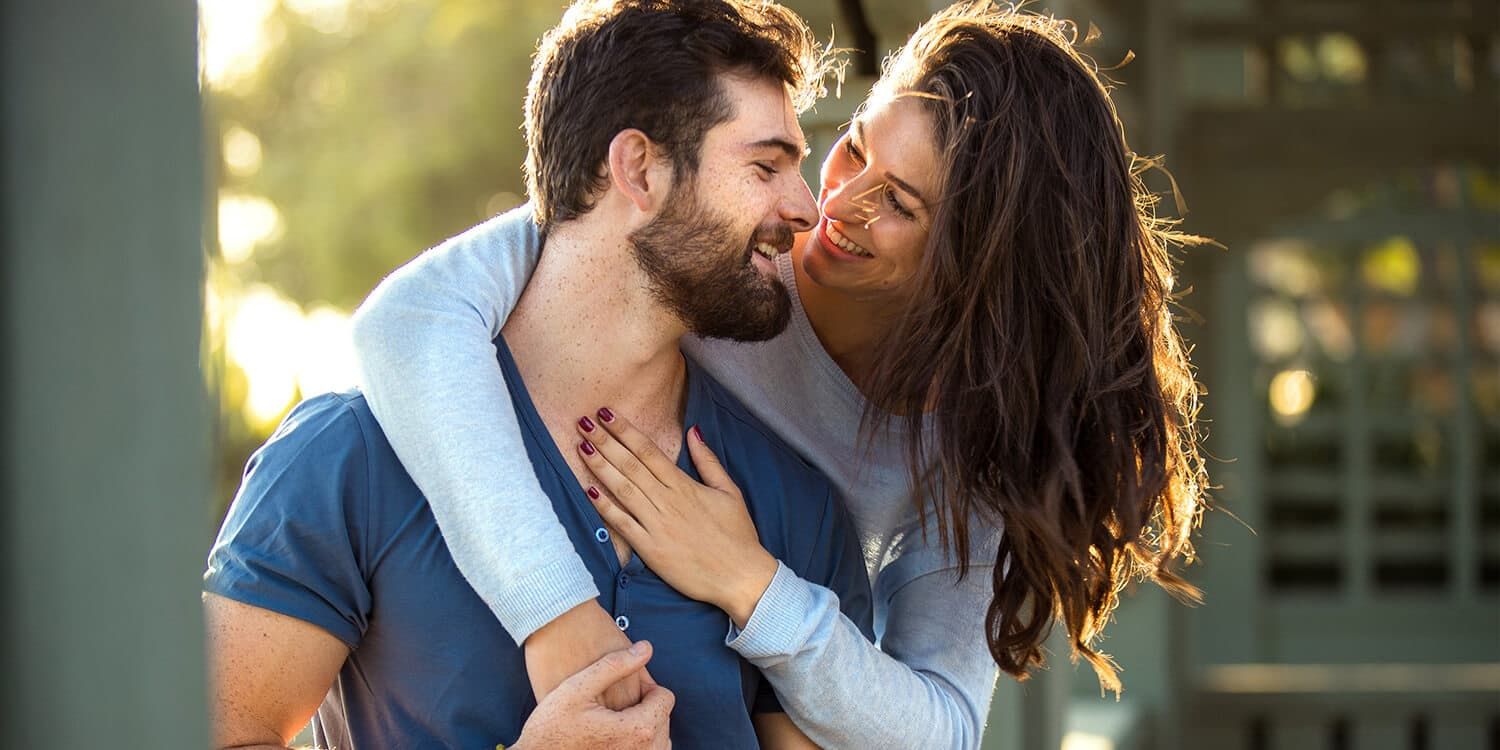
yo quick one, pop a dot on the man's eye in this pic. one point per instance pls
(766, 169)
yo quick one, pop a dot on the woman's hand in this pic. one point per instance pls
(698, 538)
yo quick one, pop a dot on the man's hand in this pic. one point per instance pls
(573, 641)
(574, 717)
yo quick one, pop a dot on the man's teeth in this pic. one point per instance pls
(846, 244)
(767, 250)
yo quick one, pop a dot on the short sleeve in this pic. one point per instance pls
(292, 541)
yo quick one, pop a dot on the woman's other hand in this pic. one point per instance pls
(698, 538)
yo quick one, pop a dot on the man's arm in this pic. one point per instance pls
(267, 673)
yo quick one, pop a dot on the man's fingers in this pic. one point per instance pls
(657, 701)
(593, 680)
(623, 694)
(708, 464)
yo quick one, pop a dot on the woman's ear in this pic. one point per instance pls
(636, 169)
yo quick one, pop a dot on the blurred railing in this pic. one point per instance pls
(1347, 707)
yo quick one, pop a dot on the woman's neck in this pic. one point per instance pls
(848, 327)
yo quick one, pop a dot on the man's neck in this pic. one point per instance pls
(587, 333)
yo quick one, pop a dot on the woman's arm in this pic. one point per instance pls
(929, 682)
(423, 341)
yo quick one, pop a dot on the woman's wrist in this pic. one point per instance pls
(743, 597)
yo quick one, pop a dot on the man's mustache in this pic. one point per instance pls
(779, 236)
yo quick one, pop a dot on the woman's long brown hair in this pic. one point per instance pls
(1039, 336)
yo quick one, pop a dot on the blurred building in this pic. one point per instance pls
(1347, 155)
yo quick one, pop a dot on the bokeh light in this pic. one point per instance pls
(245, 221)
(235, 36)
(1291, 393)
(242, 154)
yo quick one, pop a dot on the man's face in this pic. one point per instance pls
(708, 253)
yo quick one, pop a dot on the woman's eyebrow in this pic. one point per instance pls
(906, 187)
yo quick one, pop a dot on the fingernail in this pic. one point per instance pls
(586, 423)
(606, 415)
(592, 492)
(639, 647)
(697, 433)
(588, 448)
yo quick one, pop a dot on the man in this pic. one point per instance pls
(663, 162)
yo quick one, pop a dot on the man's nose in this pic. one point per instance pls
(798, 207)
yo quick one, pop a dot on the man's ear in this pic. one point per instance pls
(637, 170)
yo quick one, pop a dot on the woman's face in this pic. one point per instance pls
(877, 184)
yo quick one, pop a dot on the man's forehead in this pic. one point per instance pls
(764, 116)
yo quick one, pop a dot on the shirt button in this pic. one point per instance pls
(622, 622)
(624, 579)
(602, 534)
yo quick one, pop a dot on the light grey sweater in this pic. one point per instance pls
(423, 340)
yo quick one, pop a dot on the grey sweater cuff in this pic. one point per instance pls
(777, 627)
(530, 601)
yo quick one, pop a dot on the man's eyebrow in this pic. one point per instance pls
(906, 187)
(796, 152)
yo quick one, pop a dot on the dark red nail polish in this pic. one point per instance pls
(697, 433)
(586, 423)
(592, 492)
(588, 448)
(606, 415)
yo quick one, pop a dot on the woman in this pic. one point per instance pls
(980, 340)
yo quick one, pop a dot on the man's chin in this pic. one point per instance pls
(768, 325)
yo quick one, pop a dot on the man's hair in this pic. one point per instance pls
(653, 65)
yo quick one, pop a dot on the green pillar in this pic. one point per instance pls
(104, 448)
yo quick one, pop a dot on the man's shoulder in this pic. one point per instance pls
(331, 430)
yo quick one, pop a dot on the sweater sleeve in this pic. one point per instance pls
(428, 369)
(932, 662)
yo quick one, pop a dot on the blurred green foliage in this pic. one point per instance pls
(383, 138)
(379, 136)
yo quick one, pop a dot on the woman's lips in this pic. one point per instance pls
(833, 249)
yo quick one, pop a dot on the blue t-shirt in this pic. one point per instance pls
(328, 528)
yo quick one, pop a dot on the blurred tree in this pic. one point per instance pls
(367, 131)
(382, 129)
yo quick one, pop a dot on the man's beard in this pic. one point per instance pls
(699, 271)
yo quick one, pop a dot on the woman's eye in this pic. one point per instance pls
(853, 151)
(890, 197)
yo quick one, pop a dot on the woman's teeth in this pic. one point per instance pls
(846, 244)
(767, 250)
